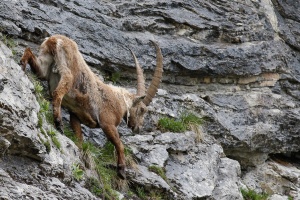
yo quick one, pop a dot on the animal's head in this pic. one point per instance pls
(26, 58)
(143, 97)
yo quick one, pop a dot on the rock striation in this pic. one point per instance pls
(234, 63)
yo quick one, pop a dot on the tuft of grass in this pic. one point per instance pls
(141, 192)
(45, 108)
(56, 142)
(9, 42)
(159, 171)
(168, 124)
(48, 146)
(101, 160)
(154, 195)
(94, 185)
(186, 121)
(252, 195)
(70, 134)
(115, 77)
(52, 134)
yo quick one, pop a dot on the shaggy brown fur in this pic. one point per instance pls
(90, 101)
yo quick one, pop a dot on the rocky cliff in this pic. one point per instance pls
(234, 63)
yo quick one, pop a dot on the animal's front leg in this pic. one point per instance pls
(63, 88)
(113, 136)
(76, 127)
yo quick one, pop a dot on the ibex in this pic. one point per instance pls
(73, 85)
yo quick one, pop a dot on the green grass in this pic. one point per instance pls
(186, 121)
(56, 142)
(44, 112)
(159, 171)
(47, 145)
(252, 195)
(9, 42)
(101, 160)
(167, 124)
(115, 77)
(94, 186)
(41, 97)
(70, 134)
(141, 192)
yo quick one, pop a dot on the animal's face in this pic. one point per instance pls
(136, 118)
(26, 58)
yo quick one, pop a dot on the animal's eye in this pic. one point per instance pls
(142, 110)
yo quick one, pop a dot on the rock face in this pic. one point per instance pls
(30, 171)
(235, 63)
(194, 170)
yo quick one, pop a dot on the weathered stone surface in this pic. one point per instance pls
(23, 178)
(236, 63)
(279, 178)
(31, 172)
(18, 109)
(193, 170)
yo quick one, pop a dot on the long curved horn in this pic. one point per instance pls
(152, 89)
(140, 76)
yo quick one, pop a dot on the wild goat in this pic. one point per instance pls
(89, 100)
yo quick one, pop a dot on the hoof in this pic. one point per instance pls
(59, 126)
(121, 172)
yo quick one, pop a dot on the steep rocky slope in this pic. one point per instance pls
(236, 63)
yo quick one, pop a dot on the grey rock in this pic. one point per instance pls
(203, 173)
(4, 144)
(235, 63)
(194, 170)
(30, 181)
(279, 178)
(18, 109)
(28, 170)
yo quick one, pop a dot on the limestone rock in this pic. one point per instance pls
(193, 170)
(234, 63)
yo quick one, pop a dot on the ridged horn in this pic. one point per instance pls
(152, 89)
(140, 76)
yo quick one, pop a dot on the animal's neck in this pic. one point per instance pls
(34, 65)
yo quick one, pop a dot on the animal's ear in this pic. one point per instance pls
(137, 100)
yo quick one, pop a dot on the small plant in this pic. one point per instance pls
(56, 142)
(70, 134)
(159, 171)
(93, 185)
(52, 134)
(168, 124)
(78, 173)
(186, 121)
(154, 195)
(141, 192)
(115, 77)
(48, 146)
(101, 160)
(252, 195)
(38, 89)
(9, 42)
(192, 122)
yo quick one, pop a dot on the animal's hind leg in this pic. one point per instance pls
(63, 87)
(113, 136)
(76, 127)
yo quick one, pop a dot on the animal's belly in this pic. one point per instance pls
(76, 102)
(82, 110)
